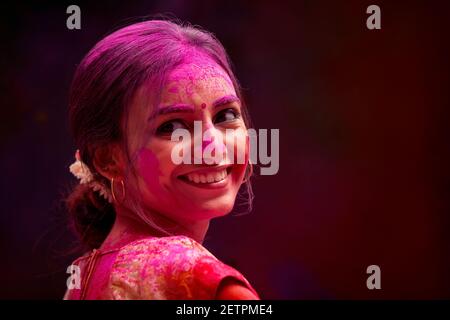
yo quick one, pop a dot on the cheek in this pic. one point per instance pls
(241, 154)
(149, 170)
(240, 141)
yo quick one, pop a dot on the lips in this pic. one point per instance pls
(204, 177)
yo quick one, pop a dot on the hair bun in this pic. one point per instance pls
(92, 215)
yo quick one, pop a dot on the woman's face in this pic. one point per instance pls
(198, 90)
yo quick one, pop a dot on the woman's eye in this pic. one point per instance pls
(170, 126)
(226, 115)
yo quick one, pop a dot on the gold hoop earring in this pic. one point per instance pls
(112, 190)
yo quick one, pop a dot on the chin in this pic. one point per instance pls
(213, 209)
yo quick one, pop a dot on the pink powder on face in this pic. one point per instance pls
(148, 166)
(203, 105)
(173, 89)
(201, 67)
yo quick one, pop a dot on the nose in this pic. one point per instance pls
(209, 147)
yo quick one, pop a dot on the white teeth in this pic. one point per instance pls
(209, 178)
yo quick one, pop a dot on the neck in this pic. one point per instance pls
(129, 227)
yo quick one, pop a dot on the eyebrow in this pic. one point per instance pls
(225, 100)
(175, 108)
(180, 107)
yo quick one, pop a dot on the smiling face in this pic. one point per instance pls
(198, 90)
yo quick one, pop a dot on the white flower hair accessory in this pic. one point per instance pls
(81, 171)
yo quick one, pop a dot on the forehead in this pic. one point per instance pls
(199, 77)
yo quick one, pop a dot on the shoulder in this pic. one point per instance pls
(174, 267)
(156, 268)
(162, 253)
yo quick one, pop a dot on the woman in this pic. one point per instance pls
(144, 215)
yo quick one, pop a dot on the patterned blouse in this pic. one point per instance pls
(174, 267)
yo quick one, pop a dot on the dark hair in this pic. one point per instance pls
(104, 84)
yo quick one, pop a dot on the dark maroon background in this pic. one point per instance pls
(364, 156)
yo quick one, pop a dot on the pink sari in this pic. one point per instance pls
(164, 268)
